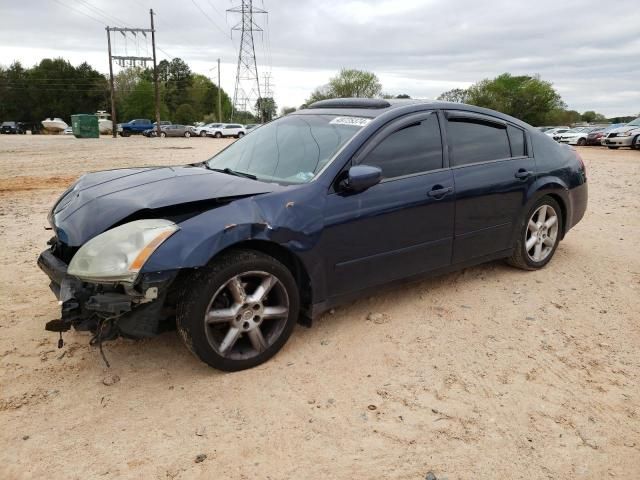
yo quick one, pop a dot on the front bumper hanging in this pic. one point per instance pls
(134, 312)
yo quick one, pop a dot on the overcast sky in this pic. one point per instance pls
(589, 50)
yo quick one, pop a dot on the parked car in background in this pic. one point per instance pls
(625, 136)
(12, 127)
(595, 137)
(176, 131)
(227, 130)
(202, 130)
(577, 136)
(277, 228)
(556, 131)
(133, 127)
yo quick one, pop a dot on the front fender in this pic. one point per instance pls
(289, 219)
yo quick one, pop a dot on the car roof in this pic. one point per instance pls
(376, 107)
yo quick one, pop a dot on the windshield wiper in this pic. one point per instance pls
(229, 171)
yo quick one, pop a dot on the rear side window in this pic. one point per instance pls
(414, 148)
(474, 140)
(516, 139)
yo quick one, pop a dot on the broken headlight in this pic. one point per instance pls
(117, 255)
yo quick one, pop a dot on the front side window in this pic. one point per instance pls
(414, 148)
(474, 140)
(291, 149)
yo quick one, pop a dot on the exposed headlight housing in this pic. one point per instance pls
(119, 254)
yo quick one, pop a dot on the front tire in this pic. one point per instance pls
(582, 142)
(539, 235)
(240, 135)
(163, 135)
(187, 134)
(203, 133)
(239, 311)
(613, 148)
(634, 143)
(218, 135)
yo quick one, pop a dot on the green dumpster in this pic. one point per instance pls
(85, 126)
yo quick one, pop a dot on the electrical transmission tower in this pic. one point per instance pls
(247, 90)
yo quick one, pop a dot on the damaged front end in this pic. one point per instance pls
(100, 288)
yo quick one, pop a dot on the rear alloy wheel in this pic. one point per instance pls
(582, 142)
(162, 134)
(187, 134)
(540, 236)
(203, 133)
(218, 135)
(239, 311)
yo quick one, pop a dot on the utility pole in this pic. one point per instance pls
(155, 73)
(122, 61)
(114, 124)
(247, 87)
(219, 95)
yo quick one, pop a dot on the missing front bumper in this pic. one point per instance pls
(135, 312)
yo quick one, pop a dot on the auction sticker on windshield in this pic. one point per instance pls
(353, 121)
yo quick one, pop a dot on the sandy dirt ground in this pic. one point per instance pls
(490, 372)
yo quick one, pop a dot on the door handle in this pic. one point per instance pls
(523, 174)
(439, 192)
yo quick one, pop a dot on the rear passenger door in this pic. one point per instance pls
(492, 171)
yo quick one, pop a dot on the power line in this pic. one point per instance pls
(80, 12)
(210, 19)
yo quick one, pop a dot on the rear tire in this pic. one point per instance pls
(163, 135)
(538, 238)
(238, 311)
(187, 134)
(582, 142)
(634, 142)
(203, 133)
(218, 135)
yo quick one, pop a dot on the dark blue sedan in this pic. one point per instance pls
(307, 212)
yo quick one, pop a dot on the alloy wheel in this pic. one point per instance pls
(542, 233)
(246, 315)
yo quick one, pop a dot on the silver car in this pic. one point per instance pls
(626, 136)
(176, 131)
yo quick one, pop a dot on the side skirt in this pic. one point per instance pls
(318, 308)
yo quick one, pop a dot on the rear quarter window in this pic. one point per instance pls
(517, 141)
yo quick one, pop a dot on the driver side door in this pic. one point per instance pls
(400, 227)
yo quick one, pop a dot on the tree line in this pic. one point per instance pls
(55, 88)
(526, 97)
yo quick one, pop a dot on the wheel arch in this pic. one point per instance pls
(554, 188)
(285, 256)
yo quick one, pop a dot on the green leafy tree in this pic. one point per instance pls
(457, 95)
(266, 108)
(185, 114)
(348, 83)
(140, 103)
(525, 97)
(590, 116)
(287, 110)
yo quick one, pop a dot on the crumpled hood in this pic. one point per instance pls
(100, 200)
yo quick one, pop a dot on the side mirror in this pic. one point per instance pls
(361, 177)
